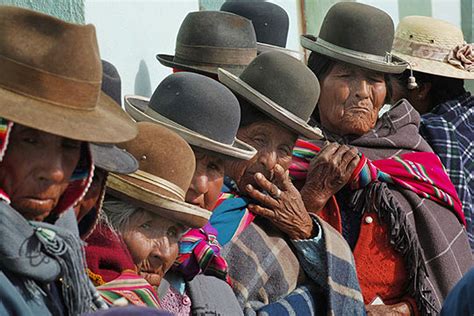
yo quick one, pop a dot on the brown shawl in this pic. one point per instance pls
(428, 235)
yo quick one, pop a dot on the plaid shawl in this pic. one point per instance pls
(430, 237)
(449, 129)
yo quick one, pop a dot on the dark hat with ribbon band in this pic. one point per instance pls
(357, 34)
(208, 40)
(281, 87)
(200, 109)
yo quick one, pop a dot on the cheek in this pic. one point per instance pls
(174, 251)
(213, 193)
(138, 245)
(332, 100)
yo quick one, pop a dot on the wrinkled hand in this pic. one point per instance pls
(400, 309)
(328, 172)
(282, 205)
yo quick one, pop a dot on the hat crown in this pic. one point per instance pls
(45, 47)
(284, 80)
(218, 29)
(164, 154)
(270, 21)
(428, 31)
(358, 27)
(111, 82)
(200, 104)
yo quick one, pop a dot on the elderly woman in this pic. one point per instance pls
(207, 115)
(435, 88)
(398, 210)
(46, 163)
(262, 264)
(149, 212)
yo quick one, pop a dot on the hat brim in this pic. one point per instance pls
(137, 106)
(263, 48)
(106, 123)
(269, 107)
(361, 59)
(179, 211)
(113, 159)
(168, 61)
(434, 67)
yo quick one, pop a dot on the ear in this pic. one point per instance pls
(423, 91)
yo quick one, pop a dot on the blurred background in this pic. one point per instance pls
(131, 33)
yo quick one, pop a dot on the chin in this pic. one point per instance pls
(356, 125)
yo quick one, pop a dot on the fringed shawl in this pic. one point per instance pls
(427, 234)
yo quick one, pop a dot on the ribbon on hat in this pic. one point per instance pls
(461, 56)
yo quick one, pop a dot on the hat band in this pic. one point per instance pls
(158, 182)
(387, 59)
(215, 55)
(45, 86)
(407, 47)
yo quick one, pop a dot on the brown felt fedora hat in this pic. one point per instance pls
(166, 168)
(208, 40)
(357, 34)
(281, 87)
(50, 79)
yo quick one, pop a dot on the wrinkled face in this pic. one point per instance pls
(350, 100)
(92, 195)
(36, 169)
(207, 180)
(274, 144)
(153, 243)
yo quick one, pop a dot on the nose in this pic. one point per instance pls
(361, 89)
(200, 183)
(52, 169)
(161, 253)
(268, 159)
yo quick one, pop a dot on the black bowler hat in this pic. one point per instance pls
(269, 20)
(208, 40)
(281, 87)
(108, 156)
(200, 109)
(357, 34)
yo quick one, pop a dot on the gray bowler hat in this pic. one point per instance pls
(200, 109)
(281, 87)
(357, 34)
(107, 156)
(208, 40)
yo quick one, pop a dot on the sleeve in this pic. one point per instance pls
(311, 254)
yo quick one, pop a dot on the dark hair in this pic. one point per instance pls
(442, 88)
(321, 65)
(249, 114)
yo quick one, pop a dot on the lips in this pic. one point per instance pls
(39, 203)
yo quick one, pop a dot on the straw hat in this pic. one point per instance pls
(435, 47)
(200, 109)
(50, 79)
(281, 87)
(357, 34)
(167, 165)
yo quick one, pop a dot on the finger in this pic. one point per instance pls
(262, 211)
(282, 178)
(352, 165)
(348, 157)
(266, 185)
(340, 153)
(264, 199)
(328, 151)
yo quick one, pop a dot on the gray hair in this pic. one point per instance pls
(118, 213)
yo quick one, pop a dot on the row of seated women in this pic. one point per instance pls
(264, 187)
